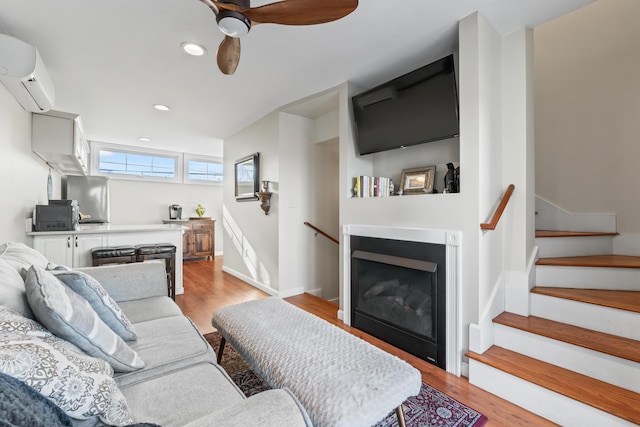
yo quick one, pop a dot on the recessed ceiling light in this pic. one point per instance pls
(193, 48)
(144, 139)
(161, 107)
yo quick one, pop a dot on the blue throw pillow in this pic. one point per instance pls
(108, 310)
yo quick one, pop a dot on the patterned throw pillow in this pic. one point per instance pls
(108, 310)
(80, 385)
(69, 316)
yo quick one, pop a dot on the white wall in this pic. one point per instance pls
(298, 154)
(587, 104)
(23, 175)
(135, 202)
(250, 237)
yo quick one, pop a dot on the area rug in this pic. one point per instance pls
(430, 408)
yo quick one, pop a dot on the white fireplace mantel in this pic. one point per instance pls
(452, 240)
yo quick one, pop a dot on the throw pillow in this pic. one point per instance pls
(69, 316)
(12, 291)
(108, 310)
(80, 385)
(19, 256)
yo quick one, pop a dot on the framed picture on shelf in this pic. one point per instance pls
(418, 180)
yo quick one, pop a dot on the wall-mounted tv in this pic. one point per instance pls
(418, 107)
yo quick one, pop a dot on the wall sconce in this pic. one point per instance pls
(265, 197)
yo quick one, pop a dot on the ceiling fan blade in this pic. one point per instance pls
(228, 55)
(301, 12)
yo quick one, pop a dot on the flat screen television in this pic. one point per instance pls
(418, 107)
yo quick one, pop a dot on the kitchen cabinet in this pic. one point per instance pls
(71, 250)
(198, 240)
(58, 138)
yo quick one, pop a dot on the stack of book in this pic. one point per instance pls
(372, 186)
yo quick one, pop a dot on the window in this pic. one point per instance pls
(136, 163)
(125, 162)
(203, 170)
(119, 162)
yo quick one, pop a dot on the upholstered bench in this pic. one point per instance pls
(340, 379)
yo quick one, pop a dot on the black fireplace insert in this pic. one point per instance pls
(398, 294)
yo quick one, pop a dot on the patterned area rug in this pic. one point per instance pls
(430, 408)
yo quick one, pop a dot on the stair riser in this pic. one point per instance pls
(598, 318)
(621, 279)
(613, 370)
(551, 247)
(546, 403)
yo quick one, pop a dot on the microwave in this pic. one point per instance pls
(58, 215)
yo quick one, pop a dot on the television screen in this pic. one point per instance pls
(418, 107)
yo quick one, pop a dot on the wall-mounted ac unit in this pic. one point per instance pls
(24, 74)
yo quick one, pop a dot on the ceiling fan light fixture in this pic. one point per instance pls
(233, 24)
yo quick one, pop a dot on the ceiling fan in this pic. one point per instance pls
(235, 18)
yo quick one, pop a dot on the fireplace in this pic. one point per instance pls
(402, 285)
(398, 294)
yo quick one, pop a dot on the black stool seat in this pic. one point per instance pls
(166, 251)
(113, 255)
(155, 249)
(113, 251)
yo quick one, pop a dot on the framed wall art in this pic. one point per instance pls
(247, 177)
(418, 180)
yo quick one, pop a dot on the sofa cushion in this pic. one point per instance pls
(151, 308)
(22, 406)
(80, 385)
(194, 391)
(19, 256)
(91, 290)
(68, 315)
(12, 291)
(165, 345)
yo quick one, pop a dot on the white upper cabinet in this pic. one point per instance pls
(58, 138)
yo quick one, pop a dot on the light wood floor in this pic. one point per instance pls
(207, 288)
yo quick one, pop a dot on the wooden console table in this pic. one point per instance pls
(198, 240)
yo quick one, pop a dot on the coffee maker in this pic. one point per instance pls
(175, 212)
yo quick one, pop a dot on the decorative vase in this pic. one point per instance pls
(200, 210)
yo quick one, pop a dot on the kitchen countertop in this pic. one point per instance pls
(107, 228)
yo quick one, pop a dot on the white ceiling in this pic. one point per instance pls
(111, 60)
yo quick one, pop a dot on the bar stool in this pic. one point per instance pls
(165, 251)
(113, 255)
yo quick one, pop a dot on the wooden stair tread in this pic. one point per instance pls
(556, 233)
(613, 345)
(608, 398)
(621, 300)
(608, 261)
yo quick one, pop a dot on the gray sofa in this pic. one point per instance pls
(180, 384)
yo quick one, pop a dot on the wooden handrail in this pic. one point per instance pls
(499, 210)
(317, 230)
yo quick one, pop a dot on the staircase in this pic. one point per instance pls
(576, 359)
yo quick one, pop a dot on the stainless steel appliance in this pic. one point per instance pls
(92, 194)
(58, 215)
(175, 212)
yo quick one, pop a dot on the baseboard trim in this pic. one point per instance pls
(273, 292)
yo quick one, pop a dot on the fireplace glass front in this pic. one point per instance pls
(398, 294)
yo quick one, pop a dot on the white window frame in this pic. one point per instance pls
(95, 161)
(200, 158)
